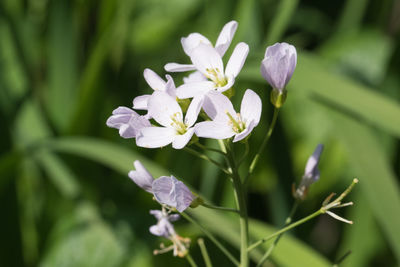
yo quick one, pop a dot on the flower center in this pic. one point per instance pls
(177, 123)
(217, 77)
(237, 124)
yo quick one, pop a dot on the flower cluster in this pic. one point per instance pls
(169, 121)
(201, 107)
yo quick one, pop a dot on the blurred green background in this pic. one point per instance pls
(65, 65)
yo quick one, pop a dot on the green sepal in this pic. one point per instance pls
(278, 97)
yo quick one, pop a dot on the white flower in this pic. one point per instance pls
(225, 121)
(176, 130)
(194, 39)
(194, 77)
(208, 62)
(157, 84)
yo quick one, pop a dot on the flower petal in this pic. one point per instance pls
(181, 141)
(153, 80)
(311, 170)
(245, 132)
(216, 105)
(225, 37)
(162, 107)
(141, 176)
(152, 137)
(127, 121)
(169, 191)
(196, 76)
(214, 129)
(250, 109)
(237, 59)
(140, 102)
(193, 110)
(192, 41)
(170, 86)
(206, 58)
(188, 90)
(176, 67)
(120, 116)
(279, 64)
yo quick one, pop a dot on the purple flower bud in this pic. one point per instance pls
(141, 177)
(278, 64)
(127, 121)
(311, 173)
(169, 191)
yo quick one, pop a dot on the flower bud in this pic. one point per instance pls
(277, 68)
(311, 174)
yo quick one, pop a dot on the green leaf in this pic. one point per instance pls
(366, 248)
(111, 155)
(228, 229)
(364, 55)
(63, 67)
(59, 173)
(30, 202)
(83, 242)
(376, 176)
(280, 22)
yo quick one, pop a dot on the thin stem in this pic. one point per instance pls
(202, 156)
(212, 238)
(275, 243)
(287, 228)
(219, 208)
(246, 152)
(190, 260)
(264, 143)
(209, 148)
(241, 199)
(204, 252)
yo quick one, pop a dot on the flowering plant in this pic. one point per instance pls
(201, 107)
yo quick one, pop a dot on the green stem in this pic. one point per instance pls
(246, 152)
(264, 143)
(241, 199)
(204, 252)
(275, 243)
(190, 260)
(209, 148)
(202, 156)
(212, 238)
(219, 208)
(287, 228)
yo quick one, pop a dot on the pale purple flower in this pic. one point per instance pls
(172, 192)
(278, 64)
(311, 173)
(208, 62)
(127, 121)
(175, 129)
(167, 190)
(194, 39)
(225, 121)
(141, 176)
(163, 227)
(157, 84)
